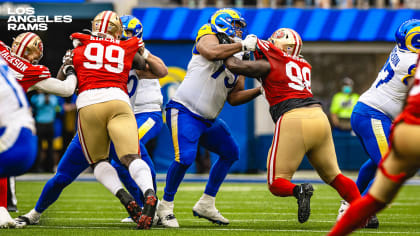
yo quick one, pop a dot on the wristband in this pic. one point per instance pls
(145, 54)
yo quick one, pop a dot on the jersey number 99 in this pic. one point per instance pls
(96, 53)
(301, 78)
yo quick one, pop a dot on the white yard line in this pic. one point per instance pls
(232, 229)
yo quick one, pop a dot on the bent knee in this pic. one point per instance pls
(231, 154)
(187, 158)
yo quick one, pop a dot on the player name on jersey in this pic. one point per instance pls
(112, 40)
(13, 60)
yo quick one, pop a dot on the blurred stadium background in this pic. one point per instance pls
(342, 38)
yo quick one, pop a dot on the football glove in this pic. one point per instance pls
(249, 43)
(68, 67)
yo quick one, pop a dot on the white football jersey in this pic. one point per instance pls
(390, 88)
(205, 87)
(14, 110)
(145, 94)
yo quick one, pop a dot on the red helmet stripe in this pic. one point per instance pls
(105, 21)
(24, 43)
(298, 45)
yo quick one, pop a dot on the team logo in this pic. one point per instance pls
(24, 18)
(279, 34)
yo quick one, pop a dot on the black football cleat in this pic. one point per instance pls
(133, 209)
(303, 193)
(149, 209)
(373, 222)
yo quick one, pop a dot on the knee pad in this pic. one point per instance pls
(187, 158)
(127, 159)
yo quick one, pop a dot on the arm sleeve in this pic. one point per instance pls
(57, 87)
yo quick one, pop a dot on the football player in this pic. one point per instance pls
(373, 114)
(146, 100)
(23, 57)
(74, 162)
(399, 164)
(301, 125)
(193, 110)
(18, 143)
(102, 63)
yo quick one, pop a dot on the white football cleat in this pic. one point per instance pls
(165, 211)
(206, 208)
(6, 220)
(30, 218)
(343, 208)
(127, 220)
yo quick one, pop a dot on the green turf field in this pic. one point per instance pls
(87, 208)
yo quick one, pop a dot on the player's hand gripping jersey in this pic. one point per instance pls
(26, 74)
(103, 63)
(389, 90)
(206, 84)
(289, 78)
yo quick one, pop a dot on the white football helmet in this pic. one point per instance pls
(287, 40)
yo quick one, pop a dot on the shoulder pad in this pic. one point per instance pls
(204, 30)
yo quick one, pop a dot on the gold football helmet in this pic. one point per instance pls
(28, 46)
(287, 40)
(107, 23)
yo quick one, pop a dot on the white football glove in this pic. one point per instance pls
(145, 54)
(249, 43)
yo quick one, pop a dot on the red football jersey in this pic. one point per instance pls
(411, 112)
(26, 74)
(289, 77)
(103, 63)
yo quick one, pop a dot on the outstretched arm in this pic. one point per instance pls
(240, 96)
(65, 83)
(254, 69)
(57, 87)
(210, 48)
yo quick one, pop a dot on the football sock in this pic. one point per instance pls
(357, 215)
(366, 174)
(217, 175)
(174, 177)
(146, 158)
(3, 192)
(282, 187)
(346, 188)
(140, 172)
(50, 193)
(107, 175)
(128, 182)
